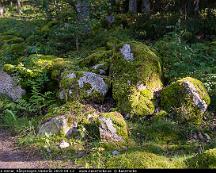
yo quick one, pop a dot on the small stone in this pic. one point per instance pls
(115, 153)
(64, 144)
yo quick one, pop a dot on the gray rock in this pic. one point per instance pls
(141, 87)
(71, 76)
(96, 81)
(9, 87)
(115, 153)
(207, 137)
(107, 130)
(98, 66)
(62, 95)
(127, 52)
(55, 126)
(201, 104)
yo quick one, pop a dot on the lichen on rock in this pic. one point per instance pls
(84, 85)
(187, 95)
(135, 80)
(127, 52)
(97, 83)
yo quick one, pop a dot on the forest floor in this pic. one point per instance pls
(12, 156)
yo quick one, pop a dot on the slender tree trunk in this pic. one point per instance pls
(19, 6)
(1, 10)
(146, 6)
(83, 12)
(196, 6)
(133, 6)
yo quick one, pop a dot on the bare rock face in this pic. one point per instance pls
(127, 52)
(190, 88)
(83, 85)
(112, 127)
(97, 83)
(108, 131)
(9, 87)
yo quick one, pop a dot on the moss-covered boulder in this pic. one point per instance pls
(112, 127)
(207, 159)
(83, 85)
(66, 120)
(136, 75)
(188, 96)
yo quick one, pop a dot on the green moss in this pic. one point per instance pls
(175, 97)
(47, 27)
(99, 55)
(48, 62)
(160, 114)
(139, 159)
(9, 68)
(73, 109)
(205, 160)
(10, 39)
(138, 102)
(145, 69)
(35, 65)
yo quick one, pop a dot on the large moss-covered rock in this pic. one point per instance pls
(207, 159)
(83, 85)
(136, 75)
(66, 119)
(188, 96)
(9, 87)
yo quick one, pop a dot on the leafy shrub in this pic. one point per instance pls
(181, 60)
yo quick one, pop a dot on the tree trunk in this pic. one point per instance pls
(82, 8)
(19, 7)
(196, 6)
(133, 6)
(1, 10)
(146, 6)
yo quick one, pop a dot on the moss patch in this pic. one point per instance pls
(204, 160)
(139, 159)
